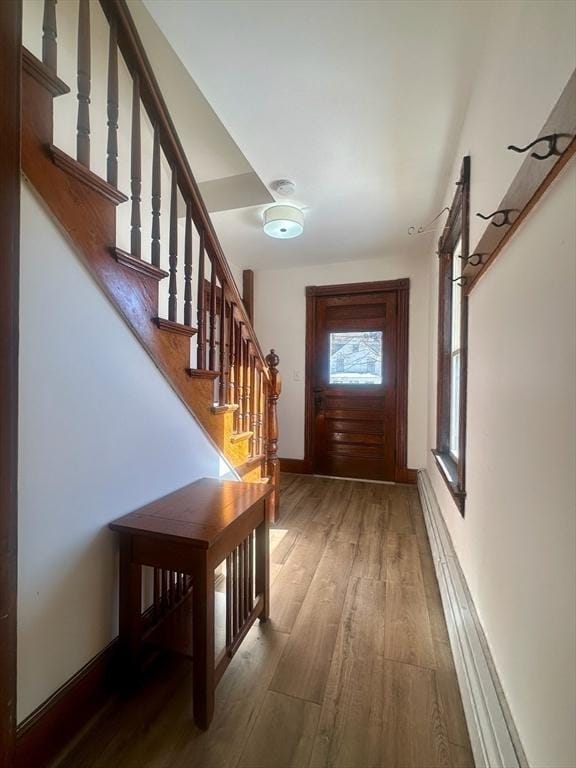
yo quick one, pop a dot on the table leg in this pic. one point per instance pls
(203, 643)
(130, 619)
(263, 562)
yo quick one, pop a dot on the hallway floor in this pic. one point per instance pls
(354, 669)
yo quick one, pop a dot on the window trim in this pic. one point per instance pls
(457, 227)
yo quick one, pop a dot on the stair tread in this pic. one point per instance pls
(239, 436)
(227, 408)
(201, 373)
(250, 464)
(172, 327)
(138, 265)
(43, 74)
(86, 176)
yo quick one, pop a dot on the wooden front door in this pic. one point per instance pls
(352, 378)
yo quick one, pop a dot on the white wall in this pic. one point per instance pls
(280, 321)
(516, 544)
(101, 433)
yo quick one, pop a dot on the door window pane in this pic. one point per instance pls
(356, 357)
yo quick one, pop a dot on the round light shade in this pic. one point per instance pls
(283, 221)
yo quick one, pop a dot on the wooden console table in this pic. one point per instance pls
(188, 534)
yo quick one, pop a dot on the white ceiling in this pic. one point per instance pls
(360, 103)
(225, 177)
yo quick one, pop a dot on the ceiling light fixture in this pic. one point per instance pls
(283, 221)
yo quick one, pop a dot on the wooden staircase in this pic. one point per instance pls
(206, 347)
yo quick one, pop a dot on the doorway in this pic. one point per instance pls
(356, 380)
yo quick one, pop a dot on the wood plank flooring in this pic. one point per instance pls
(353, 670)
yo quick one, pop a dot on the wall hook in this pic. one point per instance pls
(428, 227)
(461, 280)
(552, 151)
(478, 259)
(504, 212)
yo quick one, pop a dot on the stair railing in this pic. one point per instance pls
(225, 342)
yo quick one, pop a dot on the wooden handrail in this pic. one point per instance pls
(116, 11)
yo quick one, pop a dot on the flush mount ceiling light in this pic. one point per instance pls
(283, 221)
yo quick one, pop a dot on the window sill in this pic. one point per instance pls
(449, 471)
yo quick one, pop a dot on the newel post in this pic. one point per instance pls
(272, 462)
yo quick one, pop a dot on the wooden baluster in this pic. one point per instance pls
(242, 614)
(83, 122)
(231, 353)
(263, 414)
(246, 388)
(239, 379)
(112, 107)
(255, 406)
(156, 199)
(201, 335)
(272, 463)
(49, 47)
(259, 408)
(236, 390)
(247, 601)
(253, 414)
(223, 378)
(212, 319)
(165, 590)
(251, 569)
(235, 593)
(228, 601)
(173, 250)
(188, 266)
(156, 593)
(177, 586)
(168, 589)
(135, 171)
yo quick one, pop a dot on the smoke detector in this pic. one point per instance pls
(283, 187)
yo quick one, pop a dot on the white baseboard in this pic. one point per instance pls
(493, 736)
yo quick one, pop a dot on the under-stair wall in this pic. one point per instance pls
(101, 433)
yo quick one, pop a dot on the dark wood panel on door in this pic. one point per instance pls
(356, 373)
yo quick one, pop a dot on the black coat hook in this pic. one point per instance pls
(478, 259)
(552, 151)
(461, 280)
(427, 227)
(504, 212)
